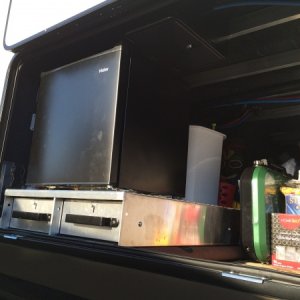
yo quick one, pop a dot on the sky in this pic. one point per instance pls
(37, 15)
(27, 14)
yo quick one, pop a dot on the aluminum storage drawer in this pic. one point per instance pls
(32, 213)
(92, 219)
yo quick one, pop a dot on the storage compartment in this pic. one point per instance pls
(179, 67)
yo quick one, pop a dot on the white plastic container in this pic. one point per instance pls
(203, 165)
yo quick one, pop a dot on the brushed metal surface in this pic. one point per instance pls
(107, 209)
(35, 205)
(154, 221)
(6, 212)
(56, 216)
(88, 195)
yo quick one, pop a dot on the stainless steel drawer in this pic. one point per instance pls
(92, 219)
(32, 214)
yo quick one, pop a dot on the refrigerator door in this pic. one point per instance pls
(75, 122)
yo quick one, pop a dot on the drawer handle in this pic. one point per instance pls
(94, 221)
(41, 217)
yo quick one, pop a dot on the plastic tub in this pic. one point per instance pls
(203, 165)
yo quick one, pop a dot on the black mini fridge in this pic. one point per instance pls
(105, 120)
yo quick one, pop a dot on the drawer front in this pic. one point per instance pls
(92, 219)
(32, 214)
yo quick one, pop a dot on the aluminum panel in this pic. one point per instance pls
(153, 221)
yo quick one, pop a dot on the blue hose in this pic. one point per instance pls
(257, 3)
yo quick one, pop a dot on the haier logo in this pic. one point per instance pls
(103, 70)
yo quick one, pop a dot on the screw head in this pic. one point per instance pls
(140, 224)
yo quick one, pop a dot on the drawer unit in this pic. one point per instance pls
(42, 210)
(130, 219)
